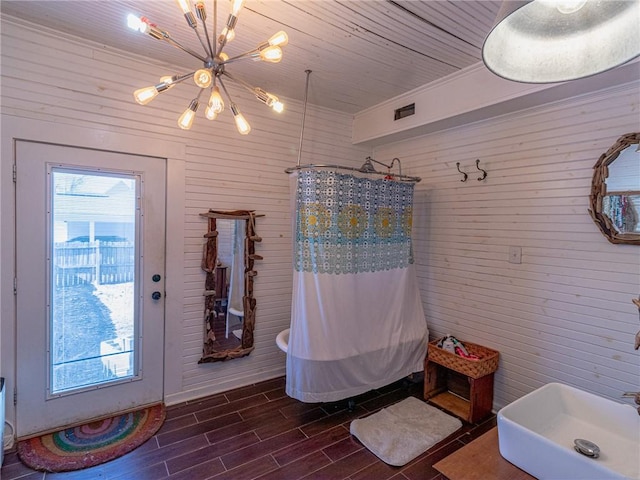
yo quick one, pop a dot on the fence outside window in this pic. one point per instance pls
(99, 262)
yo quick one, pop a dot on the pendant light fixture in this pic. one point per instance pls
(214, 64)
(547, 41)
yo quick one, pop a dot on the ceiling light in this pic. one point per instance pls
(186, 119)
(214, 62)
(547, 41)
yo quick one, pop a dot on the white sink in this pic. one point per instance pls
(537, 432)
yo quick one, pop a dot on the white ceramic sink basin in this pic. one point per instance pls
(537, 433)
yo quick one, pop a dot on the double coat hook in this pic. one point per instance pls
(465, 176)
(484, 173)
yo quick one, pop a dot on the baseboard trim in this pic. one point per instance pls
(221, 387)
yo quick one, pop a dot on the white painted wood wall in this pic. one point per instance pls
(565, 313)
(47, 77)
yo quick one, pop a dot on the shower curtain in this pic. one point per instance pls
(357, 321)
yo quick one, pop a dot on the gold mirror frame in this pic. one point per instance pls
(599, 191)
(209, 264)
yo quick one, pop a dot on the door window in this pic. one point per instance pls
(92, 312)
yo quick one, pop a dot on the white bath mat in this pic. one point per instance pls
(399, 433)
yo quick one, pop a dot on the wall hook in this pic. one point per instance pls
(484, 173)
(465, 175)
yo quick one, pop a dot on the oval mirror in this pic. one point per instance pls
(228, 260)
(615, 191)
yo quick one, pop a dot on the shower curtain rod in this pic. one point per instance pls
(367, 167)
(395, 176)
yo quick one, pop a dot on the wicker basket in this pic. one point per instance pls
(487, 359)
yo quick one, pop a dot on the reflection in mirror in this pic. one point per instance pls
(228, 260)
(615, 191)
(228, 321)
(621, 202)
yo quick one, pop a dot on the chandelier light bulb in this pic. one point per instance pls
(168, 81)
(228, 33)
(142, 25)
(215, 100)
(269, 99)
(186, 119)
(279, 39)
(145, 95)
(188, 14)
(241, 123)
(223, 57)
(278, 106)
(203, 78)
(136, 23)
(184, 6)
(210, 113)
(274, 102)
(271, 54)
(236, 6)
(201, 11)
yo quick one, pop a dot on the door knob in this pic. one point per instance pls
(156, 295)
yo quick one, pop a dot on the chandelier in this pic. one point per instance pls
(214, 64)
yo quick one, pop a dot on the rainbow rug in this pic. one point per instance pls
(93, 443)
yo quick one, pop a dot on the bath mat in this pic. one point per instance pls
(93, 443)
(399, 433)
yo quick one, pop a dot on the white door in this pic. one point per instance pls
(90, 250)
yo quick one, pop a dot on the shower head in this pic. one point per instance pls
(367, 166)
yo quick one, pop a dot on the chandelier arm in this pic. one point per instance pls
(221, 45)
(202, 42)
(226, 92)
(242, 56)
(167, 38)
(231, 22)
(215, 28)
(201, 13)
(246, 85)
(180, 78)
(208, 48)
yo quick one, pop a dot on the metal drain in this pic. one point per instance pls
(585, 447)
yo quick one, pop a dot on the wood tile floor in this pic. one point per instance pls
(258, 432)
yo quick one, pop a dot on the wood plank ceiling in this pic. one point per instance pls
(361, 52)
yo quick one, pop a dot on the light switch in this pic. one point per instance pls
(515, 254)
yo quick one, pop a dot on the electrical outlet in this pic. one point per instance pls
(515, 254)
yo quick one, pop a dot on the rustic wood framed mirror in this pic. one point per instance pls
(614, 203)
(228, 260)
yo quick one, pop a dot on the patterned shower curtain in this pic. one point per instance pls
(357, 321)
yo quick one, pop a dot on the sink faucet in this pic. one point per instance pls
(635, 396)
